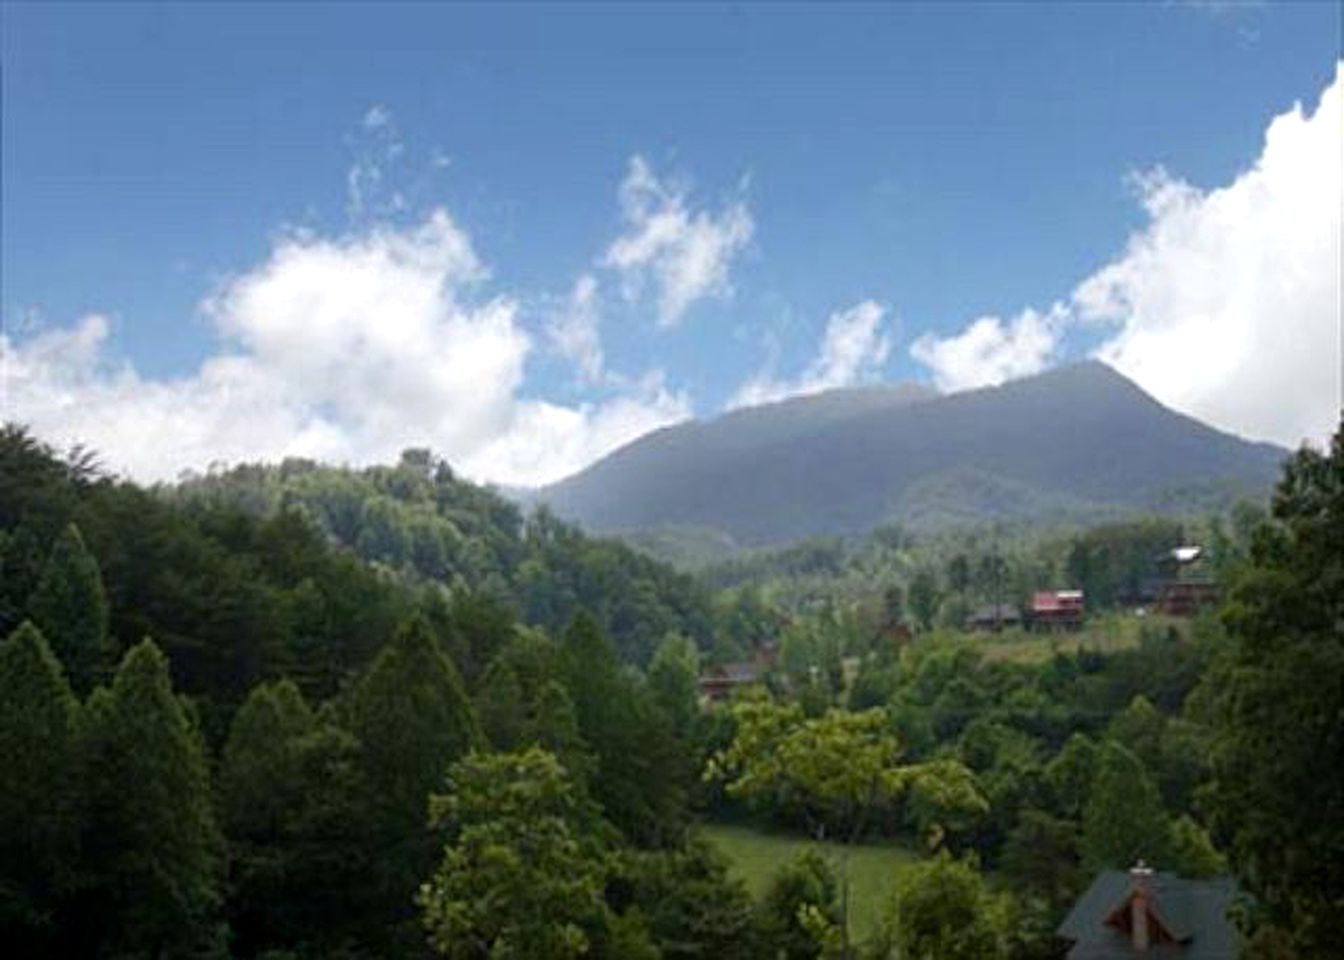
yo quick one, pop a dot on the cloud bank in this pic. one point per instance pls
(1226, 306)
(347, 350)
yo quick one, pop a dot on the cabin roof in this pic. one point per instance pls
(1193, 913)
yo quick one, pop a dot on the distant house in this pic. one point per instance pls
(995, 617)
(718, 684)
(1189, 586)
(1054, 610)
(1156, 915)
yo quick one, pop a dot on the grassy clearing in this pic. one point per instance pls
(1104, 634)
(755, 856)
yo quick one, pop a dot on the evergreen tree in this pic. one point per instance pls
(39, 814)
(1123, 821)
(673, 677)
(412, 720)
(152, 845)
(1278, 792)
(70, 608)
(641, 772)
(289, 803)
(924, 598)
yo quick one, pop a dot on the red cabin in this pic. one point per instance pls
(1053, 610)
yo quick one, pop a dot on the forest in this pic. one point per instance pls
(294, 711)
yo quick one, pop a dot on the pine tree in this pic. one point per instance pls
(521, 704)
(412, 719)
(70, 608)
(673, 673)
(39, 815)
(640, 767)
(289, 794)
(153, 847)
(1277, 798)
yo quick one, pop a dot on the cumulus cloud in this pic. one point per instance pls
(852, 350)
(989, 351)
(684, 253)
(573, 329)
(1226, 305)
(345, 349)
(547, 441)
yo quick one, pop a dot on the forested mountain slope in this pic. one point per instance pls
(1080, 442)
(418, 520)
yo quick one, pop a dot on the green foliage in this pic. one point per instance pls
(521, 703)
(1070, 775)
(70, 608)
(839, 770)
(924, 598)
(1277, 701)
(673, 674)
(289, 799)
(424, 523)
(800, 910)
(516, 879)
(152, 846)
(1041, 855)
(641, 769)
(1192, 852)
(1109, 563)
(40, 801)
(412, 719)
(690, 906)
(1124, 821)
(941, 910)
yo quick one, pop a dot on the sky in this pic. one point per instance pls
(524, 235)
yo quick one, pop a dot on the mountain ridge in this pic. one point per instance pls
(845, 461)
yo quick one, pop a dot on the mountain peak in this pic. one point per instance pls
(1080, 437)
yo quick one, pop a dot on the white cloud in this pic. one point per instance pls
(853, 349)
(573, 329)
(685, 253)
(1228, 302)
(377, 116)
(547, 442)
(345, 349)
(377, 149)
(988, 351)
(1226, 306)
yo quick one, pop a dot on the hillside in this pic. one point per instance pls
(1079, 442)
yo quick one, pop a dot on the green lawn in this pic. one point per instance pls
(1105, 634)
(754, 856)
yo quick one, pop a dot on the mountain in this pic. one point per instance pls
(1079, 441)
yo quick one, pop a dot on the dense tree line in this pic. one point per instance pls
(228, 728)
(420, 520)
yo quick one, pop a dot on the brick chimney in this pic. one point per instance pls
(1140, 876)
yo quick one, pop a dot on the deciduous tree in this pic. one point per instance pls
(516, 878)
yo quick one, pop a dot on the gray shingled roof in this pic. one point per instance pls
(1195, 911)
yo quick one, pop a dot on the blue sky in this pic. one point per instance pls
(669, 210)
